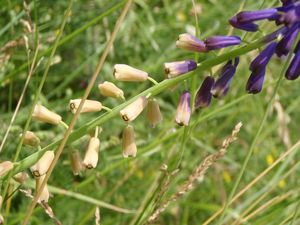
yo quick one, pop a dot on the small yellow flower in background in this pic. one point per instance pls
(181, 17)
(92, 153)
(281, 184)
(129, 146)
(42, 166)
(43, 114)
(269, 159)
(31, 139)
(109, 89)
(134, 109)
(88, 106)
(5, 167)
(124, 72)
(153, 112)
(44, 197)
(227, 177)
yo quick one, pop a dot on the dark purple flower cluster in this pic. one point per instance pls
(288, 18)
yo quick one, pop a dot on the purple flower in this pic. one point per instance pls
(217, 42)
(291, 16)
(293, 70)
(263, 58)
(251, 27)
(284, 45)
(203, 96)
(190, 42)
(183, 113)
(251, 16)
(174, 69)
(287, 2)
(222, 84)
(255, 81)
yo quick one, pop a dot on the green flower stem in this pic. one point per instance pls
(152, 80)
(106, 108)
(64, 124)
(78, 133)
(253, 144)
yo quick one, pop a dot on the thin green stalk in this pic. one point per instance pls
(78, 133)
(296, 213)
(253, 144)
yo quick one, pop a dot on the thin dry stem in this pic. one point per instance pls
(196, 174)
(97, 216)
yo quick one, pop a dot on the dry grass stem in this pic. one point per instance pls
(197, 173)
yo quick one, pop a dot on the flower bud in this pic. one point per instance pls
(43, 114)
(124, 72)
(174, 69)
(91, 156)
(255, 82)
(88, 106)
(76, 162)
(110, 90)
(5, 167)
(203, 96)
(44, 197)
(134, 109)
(217, 42)
(42, 166)
(183, 113)
(153, 112)
(21, 177)
(31, 139)
(129, 146)
(189, 42)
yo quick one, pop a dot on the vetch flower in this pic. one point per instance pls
(183, 112)
(284, 45)
(251, 16)
(263, 58)
(174, 69)
(88, 106)
(44, 197)
(76, 162)
(92, 153)
(293, 70)
(109, 89)
(130, 112)
(124, 72)
(249, 26)
(204, 95)
(217, 42)
(256, 81)
(43, 114)
(128, 145)
(31, 139)
(190, 42)
(43, 164)
(222, 84)
(153, 112)
(5, 167)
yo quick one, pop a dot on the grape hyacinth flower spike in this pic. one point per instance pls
(222, 84)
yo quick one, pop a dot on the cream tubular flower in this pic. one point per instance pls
(42, 166)
(153, 112)
(5, 167)
(76, 162)
(44, 197)
(129, 146)
(134, 109)
(109, 89)
(43, 114)
(88, 106)
(124, 72)
(31, 139)
(92, 153)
